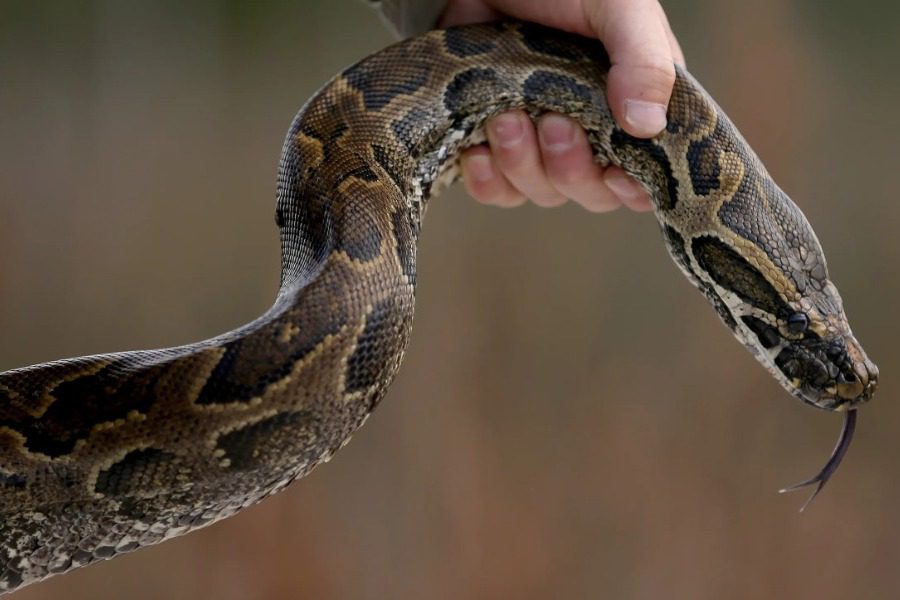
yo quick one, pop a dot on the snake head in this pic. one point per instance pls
(771, 287)
(812, 351)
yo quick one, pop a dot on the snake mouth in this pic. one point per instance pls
(832, 376)
(867, 393)
(859, 385)
(840, 396)
(830, 402)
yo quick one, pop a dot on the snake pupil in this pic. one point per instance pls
(797, 323)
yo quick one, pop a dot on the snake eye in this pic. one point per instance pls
(797, 323)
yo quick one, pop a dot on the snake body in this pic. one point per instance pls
(104, 454)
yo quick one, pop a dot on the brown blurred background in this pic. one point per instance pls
(571, 420)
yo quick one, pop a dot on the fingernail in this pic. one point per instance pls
(479, 167)
(507, 129)
(646, 118)
(556, 133)
(623, 187)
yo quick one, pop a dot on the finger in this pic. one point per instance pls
(628, 191)
(642, 73)
(483, 180)
(570, 166)
(514, 148)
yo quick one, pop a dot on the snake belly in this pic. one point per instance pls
(105, 454)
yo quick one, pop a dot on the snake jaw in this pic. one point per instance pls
(828, 372)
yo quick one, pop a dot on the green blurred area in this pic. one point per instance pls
(571, 420)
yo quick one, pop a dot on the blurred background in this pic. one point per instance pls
(571, 419)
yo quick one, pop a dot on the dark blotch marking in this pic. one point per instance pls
(730, 270)
(543, 85)
(81, 404)
(384, 160)
(330, 138)
(362, 172)
(138, 470)
(244, 447)
(379, 86)
(359, 234)
(406, 243)
(552, 42)
(768, 335)
(410, 129)
(371, 358)
(703, 163)
(679, 252)
(462, 92)
(658, 156)
(238, 379)
(677, 249)
(463, 42)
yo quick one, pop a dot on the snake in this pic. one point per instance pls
(102, 455)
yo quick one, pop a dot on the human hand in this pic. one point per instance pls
(552, 162)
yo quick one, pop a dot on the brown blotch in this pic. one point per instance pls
(378, 346)
(139, 471)
(261, 443)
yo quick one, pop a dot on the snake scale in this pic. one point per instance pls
(102, 455)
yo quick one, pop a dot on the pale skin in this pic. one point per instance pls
(551, 163)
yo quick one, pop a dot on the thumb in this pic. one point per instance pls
(642, 71)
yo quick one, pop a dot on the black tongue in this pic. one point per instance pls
(837, 455)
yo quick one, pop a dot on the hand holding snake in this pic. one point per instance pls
(551, 161)
(105, 454)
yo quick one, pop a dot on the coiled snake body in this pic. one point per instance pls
(104, 454)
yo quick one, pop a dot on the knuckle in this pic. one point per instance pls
(657, 68)
(510, 159)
